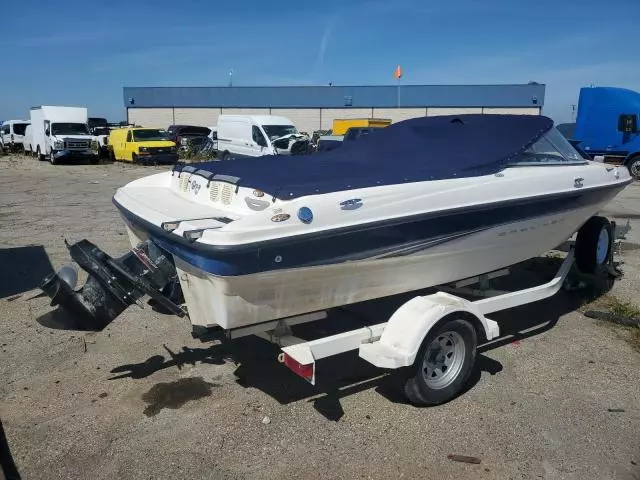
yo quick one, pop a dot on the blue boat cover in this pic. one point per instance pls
(416, 150)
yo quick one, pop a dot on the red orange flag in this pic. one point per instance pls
(398, 73)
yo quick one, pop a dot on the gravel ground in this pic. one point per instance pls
(142, 399)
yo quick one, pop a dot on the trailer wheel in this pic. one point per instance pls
(634, 167)
(593, 245)
(443, 364)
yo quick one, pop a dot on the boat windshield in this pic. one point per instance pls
(277, 131)
(147, 135)
(69, 129)
(553, 147)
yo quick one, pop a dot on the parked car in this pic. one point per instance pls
(331, 142)
(96, 122)
(101, 140)
(188, 136)
(12, 132)
(141, 145)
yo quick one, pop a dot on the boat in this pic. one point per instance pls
(423, 202)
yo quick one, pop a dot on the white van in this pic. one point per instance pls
(28, 141)
(257, 135)
(12, 132)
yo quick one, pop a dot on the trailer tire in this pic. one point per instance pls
(593, 245)
(633, 164)
(444, 362)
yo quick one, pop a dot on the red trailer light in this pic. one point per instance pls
(305, 371)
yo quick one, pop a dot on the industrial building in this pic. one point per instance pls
(315, 107)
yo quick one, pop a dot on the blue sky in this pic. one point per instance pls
(83, 53)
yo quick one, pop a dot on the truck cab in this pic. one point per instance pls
(141, 145)
(608, 124)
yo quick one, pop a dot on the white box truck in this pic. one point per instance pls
(61, 133)
(257, 135)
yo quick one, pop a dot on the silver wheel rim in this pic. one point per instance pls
(635, 168)
(443, 360)
(602, 248)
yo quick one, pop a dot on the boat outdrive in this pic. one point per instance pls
(114, 284)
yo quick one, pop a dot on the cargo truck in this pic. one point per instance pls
(607, 126)
(61, 133)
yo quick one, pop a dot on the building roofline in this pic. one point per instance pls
(339, 86)
(337, 96)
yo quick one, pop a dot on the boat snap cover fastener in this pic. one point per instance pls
(278, 258)
(305, 215)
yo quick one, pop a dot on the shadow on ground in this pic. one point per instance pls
(346, 374)
(22, 269)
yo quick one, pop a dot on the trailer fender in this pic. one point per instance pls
(410, 324)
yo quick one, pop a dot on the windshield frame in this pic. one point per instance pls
(161, 137)
(268, 129)
(85, 129)
(555, 146)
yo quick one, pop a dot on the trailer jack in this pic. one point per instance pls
(113, 284)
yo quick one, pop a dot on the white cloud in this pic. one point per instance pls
(324, 42)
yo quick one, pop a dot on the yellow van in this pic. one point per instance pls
(141, 145)
(340, 126)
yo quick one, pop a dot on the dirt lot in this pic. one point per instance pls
(142, 399)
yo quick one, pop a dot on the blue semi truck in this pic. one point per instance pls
(607, 126)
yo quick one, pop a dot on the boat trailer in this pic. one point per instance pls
(432, 338)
